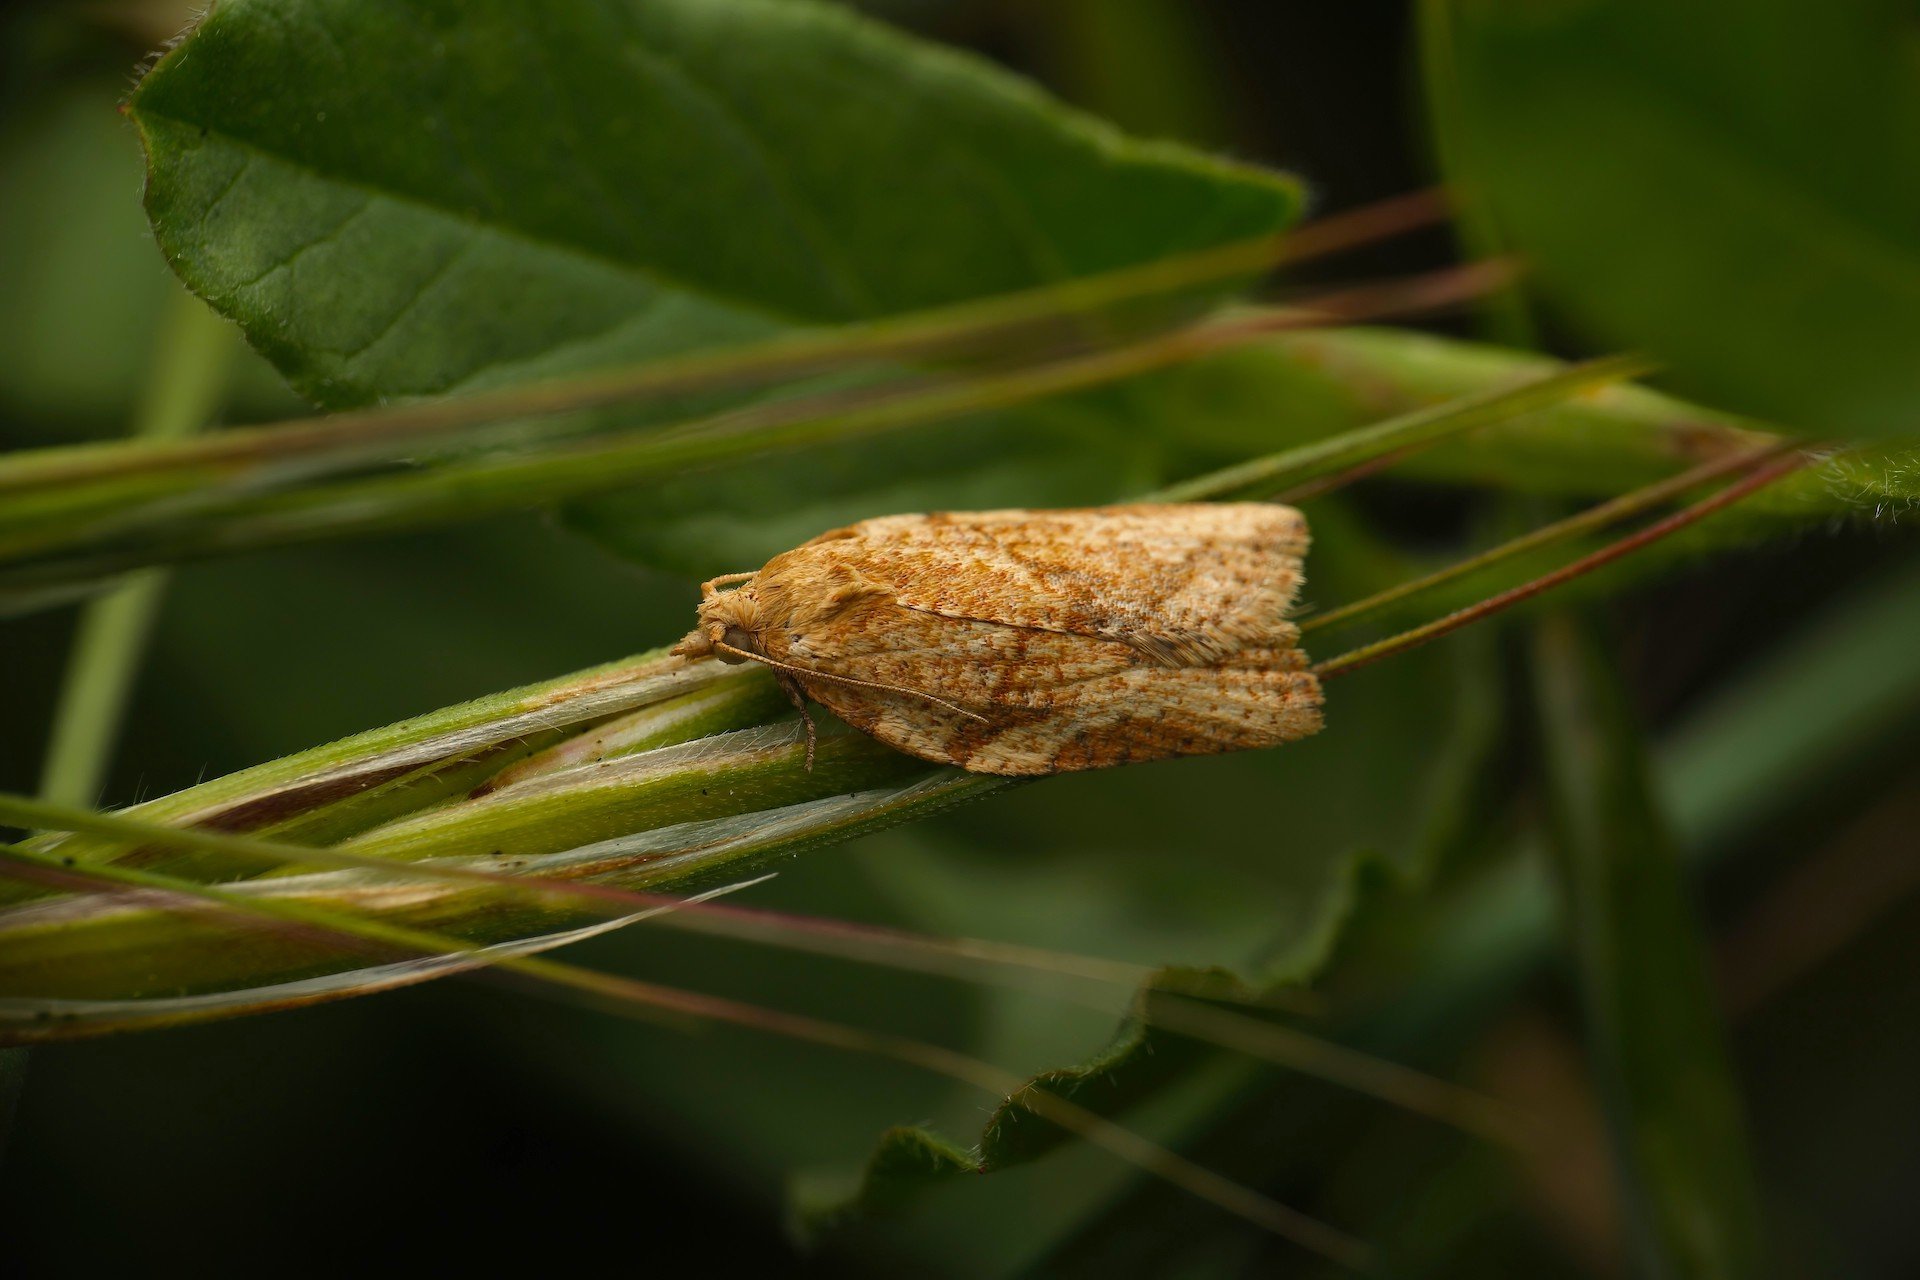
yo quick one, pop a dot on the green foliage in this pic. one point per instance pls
(1730, 185)
(617, 181)
(1141, 1061)
(1658, 1048)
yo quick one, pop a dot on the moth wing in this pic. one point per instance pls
(1152, 713)
(1051, 702)
(1184, 583)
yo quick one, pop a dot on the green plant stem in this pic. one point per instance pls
(183, 390)
(1589, 521)
(1408, 431)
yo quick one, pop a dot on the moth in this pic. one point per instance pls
(1030, 642)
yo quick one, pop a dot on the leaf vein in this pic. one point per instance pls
(324, 238)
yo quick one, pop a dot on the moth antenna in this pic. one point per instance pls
(712, 585)
(863, 684)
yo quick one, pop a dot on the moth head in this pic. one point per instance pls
(729, 620)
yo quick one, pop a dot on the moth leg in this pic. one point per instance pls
(797, 696)
(712, 585)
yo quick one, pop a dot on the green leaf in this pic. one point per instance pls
(598, 182)
(1079, 451)
(1657, 1046)
(1804, 724)
(1832, 705)
(1729, 185)
(1142, 1060)
(408, 198)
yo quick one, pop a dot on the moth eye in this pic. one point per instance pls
(738, 639)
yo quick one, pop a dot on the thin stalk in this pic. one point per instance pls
(1381, 220)
(183, 389)
(1340, 479)
(467, 490)
(1407, 432)
(940, 330)
(1589, 521)
(1751, 483)
(965, 959)
(647, 1001)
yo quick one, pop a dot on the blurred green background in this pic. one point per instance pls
(479, 1129)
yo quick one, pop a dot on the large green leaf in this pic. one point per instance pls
(412, 197)
(1827, 712)
(1141, 1061)
(1732, 185)
(1308, 892)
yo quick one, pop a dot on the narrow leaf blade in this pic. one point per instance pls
(1657, 1044)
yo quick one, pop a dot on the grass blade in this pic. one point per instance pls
(1064, 309)
(967, 959)
(1589, 521)
(184, 387)
(83, 537)
(628, 997)
(1751, 483)
(1657, 1047)
(1405, 433)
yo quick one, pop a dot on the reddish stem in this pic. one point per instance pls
(1751, 483)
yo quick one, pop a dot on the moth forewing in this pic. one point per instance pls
(1031, 642)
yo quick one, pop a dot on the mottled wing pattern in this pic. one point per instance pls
(1052, 702)
(1186, 584)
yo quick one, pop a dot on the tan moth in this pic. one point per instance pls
(1031, 642)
